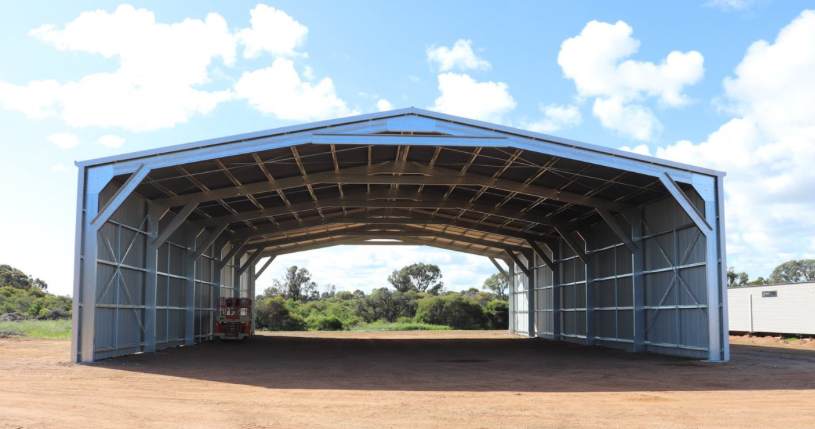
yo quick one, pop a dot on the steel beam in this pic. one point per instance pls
(209, 240)
(518, 262)
(391, 199)
(512, 299)
(638, 282)
(120, 196)
(392, 232)
(392, 218)
(686, 204)
(578, 250)
(265, 265)
(499, 267)
(258, 251)
(85, 319)
(541, 254)
(361, 241)
(177, 221)
(618, 231)
(591, 304)
(398, 173)
(189, 291)
(154, 213)
(556, 301)
(236, 247)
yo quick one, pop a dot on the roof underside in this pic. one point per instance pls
(478, 199)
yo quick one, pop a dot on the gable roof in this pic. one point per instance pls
(411, 111)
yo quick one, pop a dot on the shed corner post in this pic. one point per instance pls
(91, 183)
(712, 192)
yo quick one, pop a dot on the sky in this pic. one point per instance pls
(724, 84)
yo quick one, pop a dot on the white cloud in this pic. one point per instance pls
(768, 151)
(728, 5)
(633, 120)
(60, 168)
(111, 141)
(64, 140)
(272, 31)
(367, 267)
(278, 90)
(464, 96)
(555, 117)
(596, 61)
(155, 86)
(461, 57)
(384, 105)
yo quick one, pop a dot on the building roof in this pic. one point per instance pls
(410, 175)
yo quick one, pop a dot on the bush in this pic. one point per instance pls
(386, 304)
(497, 313)
(452, 310)
(274, 315)
(327, 323)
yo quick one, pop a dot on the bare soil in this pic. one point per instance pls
(403, 380)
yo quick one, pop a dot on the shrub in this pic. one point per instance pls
(452, 310)
(274, 315)
(497, 314)
(326, 323)
(386, 304)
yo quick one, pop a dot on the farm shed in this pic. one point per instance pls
(603, 247)
(776, 309)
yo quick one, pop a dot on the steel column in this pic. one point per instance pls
(637, 280)
(530, 295)
(95, 181)
(189, 291)
(556, 280)
(512, 305)
(154, 212)
(590, 301)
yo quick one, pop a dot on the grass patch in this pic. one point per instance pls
(399, 326)
(56, 329)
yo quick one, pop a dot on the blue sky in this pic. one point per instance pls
(725, 84)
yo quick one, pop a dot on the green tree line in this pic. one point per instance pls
(418, 297)
(23, 294)
(794, 271)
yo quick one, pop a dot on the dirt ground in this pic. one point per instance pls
(403, 380)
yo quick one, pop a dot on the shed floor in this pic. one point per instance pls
(402, 379)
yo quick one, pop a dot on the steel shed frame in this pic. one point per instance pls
(603, 247)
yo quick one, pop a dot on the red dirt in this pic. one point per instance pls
(403, 379)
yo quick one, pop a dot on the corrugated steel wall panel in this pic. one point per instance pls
(677, 320)
(121, 279)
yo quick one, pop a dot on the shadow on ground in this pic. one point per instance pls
(494, 364)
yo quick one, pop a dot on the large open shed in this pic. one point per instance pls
(602, 247)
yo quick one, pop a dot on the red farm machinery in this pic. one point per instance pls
(234, 321)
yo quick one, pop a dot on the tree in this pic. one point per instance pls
(454, 310)
(759, 281)
(735, 279)
(794, 272)
(296, 284)
(498, 284)
(272, 313)
(329, 291)
(420, 277)
(385, 304)
(10, 276)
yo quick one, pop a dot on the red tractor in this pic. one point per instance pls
(234, 321)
